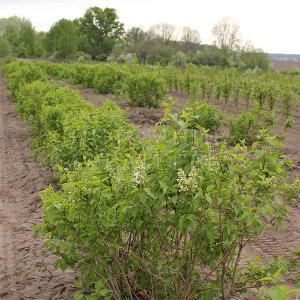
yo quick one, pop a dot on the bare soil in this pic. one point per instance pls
(26, 271)
(285, 65)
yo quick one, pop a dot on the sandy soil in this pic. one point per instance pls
(26, 271)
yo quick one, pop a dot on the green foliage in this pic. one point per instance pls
(145, 89)
(21, 73)
(88, 133)
(62, 39)
(179, 60)
(109, 78)
(246, 127)
(5, 47)
(255, 58)
(167, 218)
(101, 29)
(27, 40)
(152, 222)
(203, 115)
(278, 292)
(18, 31)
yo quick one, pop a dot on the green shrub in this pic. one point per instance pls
(145, 89)
(30, 99)
(203, 115)
(248, 124)
(88, 133)
(170, 222)
(107, 78)
(22, 73)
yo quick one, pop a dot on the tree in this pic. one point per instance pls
(190, 38)
(134, 36)
(26, 37)
(101, 29)
(63, 39)
(4, 47)
(226, 34)
(39, 47)
(254, 58)
(164, 32)
(18, 32)
(190, 35)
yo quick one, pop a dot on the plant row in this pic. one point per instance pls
(147, 85)
(166, 218)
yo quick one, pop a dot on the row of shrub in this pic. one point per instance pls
(140, 85)
(147, 85)
(68, 130)
(161, 219)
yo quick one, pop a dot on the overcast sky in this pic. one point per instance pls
(273, 25)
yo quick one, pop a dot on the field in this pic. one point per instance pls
(285, 65)
(153, 234)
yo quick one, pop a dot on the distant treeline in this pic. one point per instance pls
(99, 35)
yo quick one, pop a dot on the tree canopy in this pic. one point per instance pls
(100, 30)
(62, 39)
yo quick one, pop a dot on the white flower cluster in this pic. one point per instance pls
(82, 144)
(269, 182)
(210, 164)
(139, 174)
(187, 183)
(234, 186)
(117, 176)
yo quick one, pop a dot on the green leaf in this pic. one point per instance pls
(149, 193)
(78, 296)
(293, 292)
(278, 293)
(266, 279)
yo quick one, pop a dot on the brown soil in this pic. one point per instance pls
(26, 271)
(285, 65)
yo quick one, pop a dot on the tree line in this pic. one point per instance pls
(99, 35)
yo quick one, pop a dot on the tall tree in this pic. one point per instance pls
(19, 33)
(62, 39)
(101, 29)
(190, 35)
(226, 34)
(190, 38)
(27, 37)
(165, 32)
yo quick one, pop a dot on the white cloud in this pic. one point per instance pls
(272, 25)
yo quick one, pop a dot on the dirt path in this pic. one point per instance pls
(26, 271)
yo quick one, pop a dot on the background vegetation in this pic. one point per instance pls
(99, 35)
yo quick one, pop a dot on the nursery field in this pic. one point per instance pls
(147, 191)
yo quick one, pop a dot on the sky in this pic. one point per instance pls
(272, 25)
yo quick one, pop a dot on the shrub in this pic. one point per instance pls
(21, 73)
(145, 89)
(108, 77)
(247, 125)
(169, 223)
(88, 133)
(203, 115)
